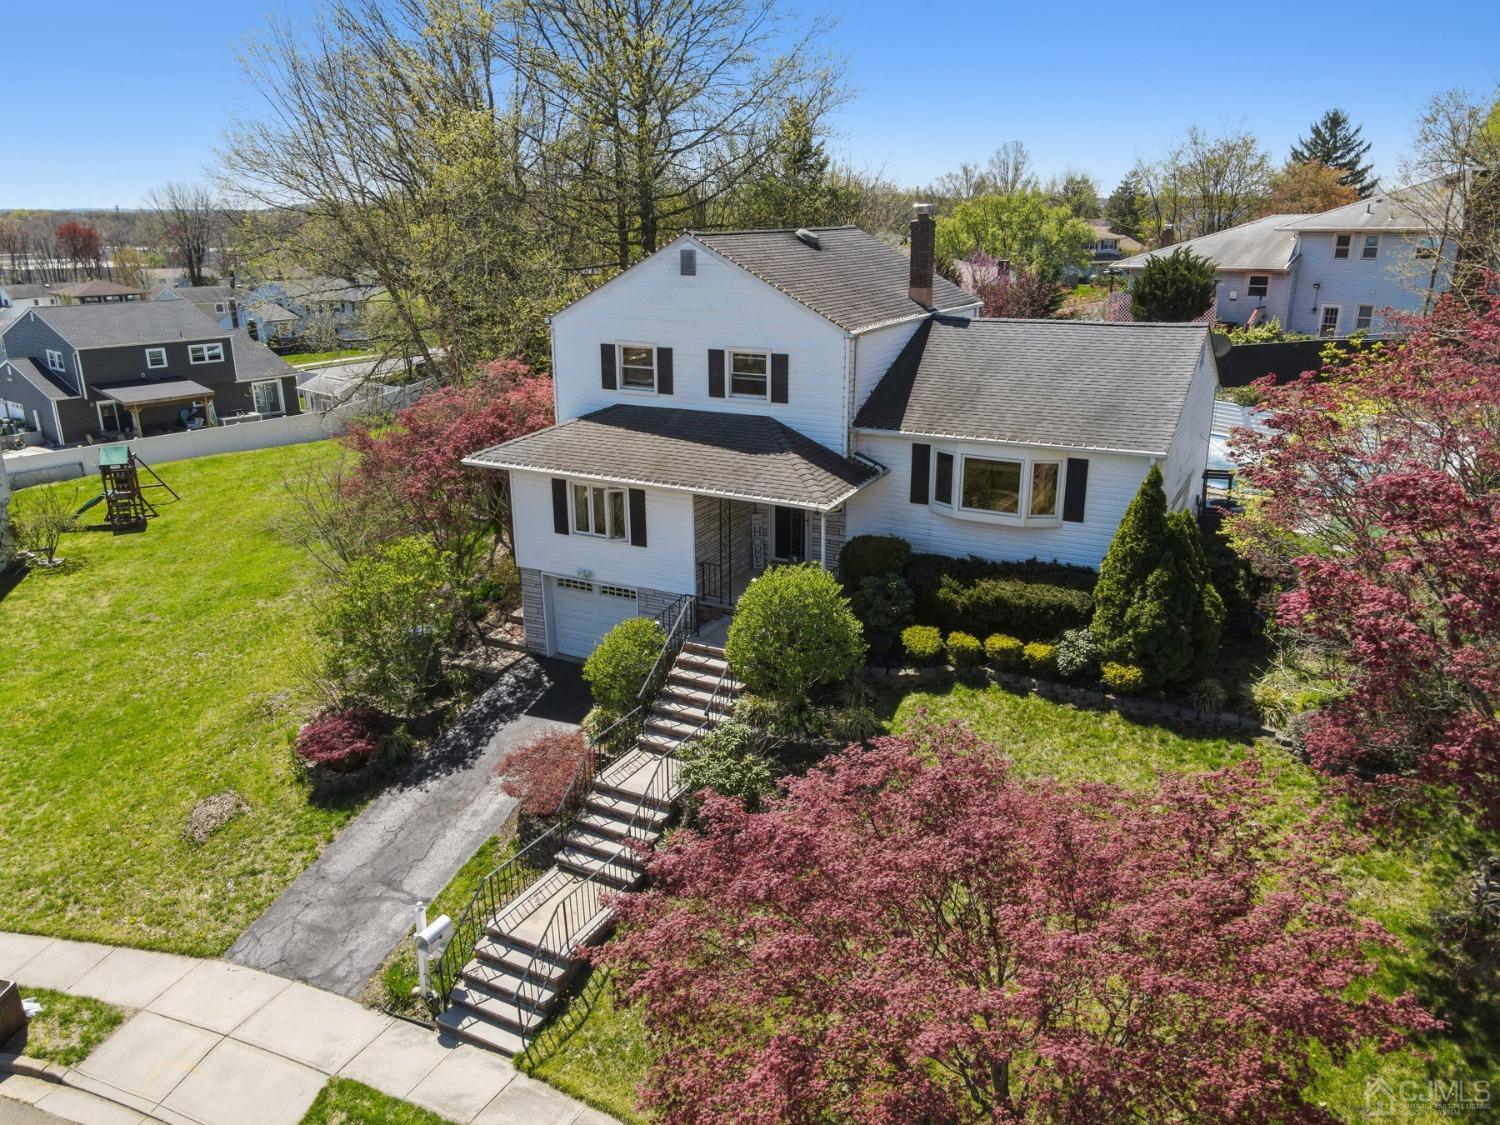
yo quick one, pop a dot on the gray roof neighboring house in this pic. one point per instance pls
(43, 380)
(1403, 209)
(254, 360)
(742, 456)
(97, 287)
(270, 313)
(321, 289)
(1261, 244)
(27, 291)
(128, 322)
(853, 279)
(1086, 385)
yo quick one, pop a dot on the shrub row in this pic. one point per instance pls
(1032, 600)
(924, 644)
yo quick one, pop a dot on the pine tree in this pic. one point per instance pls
(1154, 606)
(1126, 208)
(1333, 141)
(1173, 287)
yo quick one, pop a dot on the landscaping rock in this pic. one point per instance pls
(212, 813)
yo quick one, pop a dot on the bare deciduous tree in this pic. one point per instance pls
(192, 223)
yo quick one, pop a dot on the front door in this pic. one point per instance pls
(791, 535)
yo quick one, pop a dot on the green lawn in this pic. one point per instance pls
(302, 359)
(594, 1050)
(345, 1102)
(67, 1029)
(152, 671)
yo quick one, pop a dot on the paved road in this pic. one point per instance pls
(334, 926)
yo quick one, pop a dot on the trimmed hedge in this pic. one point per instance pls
(1003, 650)
(872, 556)
(922, 643)
(1125, 678)
(1041, 659)
(1031, 600)
(964, 650)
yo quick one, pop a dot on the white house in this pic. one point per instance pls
(27, 295)
(742, 398)
(1328, 274)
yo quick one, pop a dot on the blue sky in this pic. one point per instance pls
(141, 93)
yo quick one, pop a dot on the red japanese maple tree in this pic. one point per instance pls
(414, 469)
(540, 771)
(1381, 491)
(911, 932)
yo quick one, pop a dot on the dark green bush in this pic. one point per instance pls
(923, 643)
(1003, 651)
(1174, 287)
(793, 630)
(870, 556)
(620, 663)
(883, 604)
(1041, 659)
(964, 650)
(1032, 600)
(731, 760)
(1077, 654)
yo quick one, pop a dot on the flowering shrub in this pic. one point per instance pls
(342, 741)
(1004, 651)
(964, 650)
(539, 771)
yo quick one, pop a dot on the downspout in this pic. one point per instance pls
(823, 539)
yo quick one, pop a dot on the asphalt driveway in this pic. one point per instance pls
(334, 926)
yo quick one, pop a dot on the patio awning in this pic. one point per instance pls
(147, 394)
(739, 456)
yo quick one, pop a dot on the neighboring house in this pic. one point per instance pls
(1109, 245)
(340, 305)
(737, 399)
(27, 295)
(78, 372)
(96, 292)
(1329, 274)
(236, 308)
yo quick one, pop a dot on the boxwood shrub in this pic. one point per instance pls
(923, 643)
(1127, 679)
(1041, 658)
(1031, 600)
(964, 649)
(871, 556)
(1003, 650)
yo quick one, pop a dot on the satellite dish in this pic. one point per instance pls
(1221, 344)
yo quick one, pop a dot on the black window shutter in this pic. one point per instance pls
(921, 461)
(637, 517)
(942, 490)
(607, 366)
(1076, 488)
(663, 371)
(715, 372)
(778, 377)
(560, 505)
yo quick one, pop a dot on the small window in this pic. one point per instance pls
(55, 360)
(218, 306)
(1371, 247)
(624, 592)
(156, 358)
(1257, 285)
(1330, 323)
(599, 512)
(1044, 477)
(267, 396)
(1341, 243)
(205, 353)
(749, 374)
(1364, 316)
(992, 486)
(638, 367)
(574, 584)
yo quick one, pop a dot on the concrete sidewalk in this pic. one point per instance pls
(213, 1043)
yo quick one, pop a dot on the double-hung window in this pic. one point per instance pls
(599, 511)
(1258, 284)
(1364, 317)
(205, 353)
(749, 374)
(1329, 326)
(1012, 489)
(637, 367)
(55, 360)
(1341, 244)
(1371, 247)
(156, 358)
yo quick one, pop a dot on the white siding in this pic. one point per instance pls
(885, 508)
(1232, 291)
(1395, 279)
(665, 563)
(721, 307)
(1187, 456)
(874, 352)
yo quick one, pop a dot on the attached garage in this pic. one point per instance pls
(582, 612)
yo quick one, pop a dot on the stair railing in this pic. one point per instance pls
(677, 621)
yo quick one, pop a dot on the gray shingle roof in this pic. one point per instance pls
(165, 390)
(1072, 384)
(253, 360)
(129, 322)
(1402, 209)
(96, 287)
(855, 280)
(747, 456)
(27, 291)
(33, 373)
(1263, 244)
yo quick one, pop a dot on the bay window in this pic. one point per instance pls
(1007, 490)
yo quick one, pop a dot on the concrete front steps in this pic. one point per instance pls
(527, 957)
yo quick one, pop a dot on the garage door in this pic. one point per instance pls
(582, 612)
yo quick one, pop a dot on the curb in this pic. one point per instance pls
(33, 1068)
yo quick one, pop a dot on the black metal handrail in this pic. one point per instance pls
(711, 581)
(680, 614)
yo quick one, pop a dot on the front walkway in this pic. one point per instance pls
(218, 1044)
(335, 925)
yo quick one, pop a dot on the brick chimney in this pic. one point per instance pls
(1168, 236)
(923, 254)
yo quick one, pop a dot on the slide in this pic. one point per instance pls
(96, 500)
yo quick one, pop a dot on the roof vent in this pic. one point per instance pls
(808, 238)
(687, 262)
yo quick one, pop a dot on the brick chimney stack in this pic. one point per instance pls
(923, 254)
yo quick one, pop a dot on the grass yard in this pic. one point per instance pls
(594, 1050)
(152, 671)
(67, 1029)
(345, 1102)
(302, 359)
